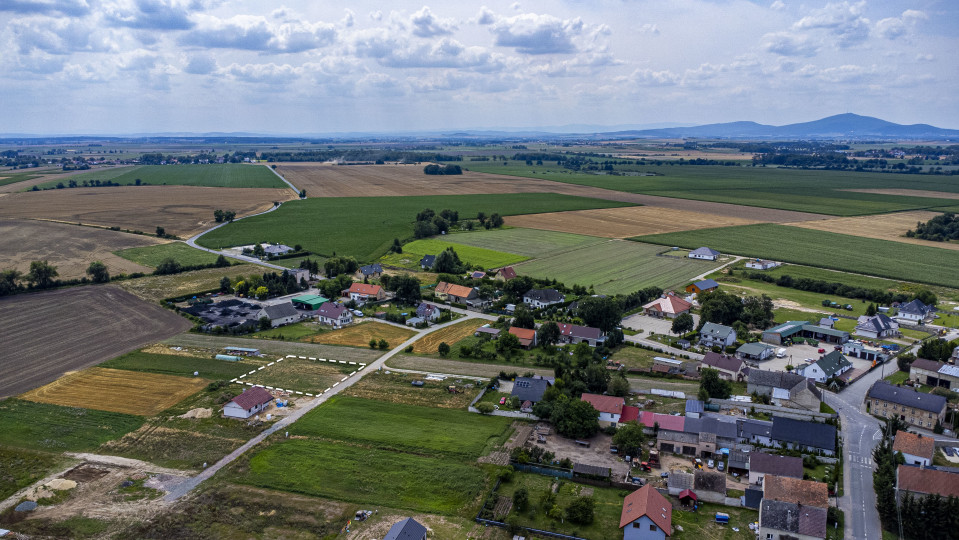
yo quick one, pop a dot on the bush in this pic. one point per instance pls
(485, 407)
(521, 500)
(580, 511)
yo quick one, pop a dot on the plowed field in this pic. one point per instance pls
(117, 390)
(624, 222)
(359, 335)
(883, 227)
(451, 334)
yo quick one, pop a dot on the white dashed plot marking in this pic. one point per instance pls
(360, 365)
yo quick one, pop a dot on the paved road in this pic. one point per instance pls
(285, 181)
(192, 243)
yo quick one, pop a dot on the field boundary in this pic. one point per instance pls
(360, 365)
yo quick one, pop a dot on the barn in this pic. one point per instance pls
(250, 402)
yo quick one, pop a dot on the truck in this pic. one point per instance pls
(781, 353)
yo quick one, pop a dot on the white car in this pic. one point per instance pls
(710, 463)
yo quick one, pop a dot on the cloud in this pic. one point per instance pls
(648, 77)
(844, 74)
(262, 73)
(896, 27)
(778, 5)
(201, 64)
(255, 33)
(426, 25)
(788, 44)
(60, 36)
(150, 14)
(648, 29)
(395, 51)
(72, 8)
(842, 20)
(530, 33)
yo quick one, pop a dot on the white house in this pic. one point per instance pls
(830, 365)
(876, 327)
(647, 515)
(539, 298)
(917, 450)
(250, 402)
(610, 407)
(761, 264)
(915, 312)
(704, 253)
(334, 314)
(713, 334)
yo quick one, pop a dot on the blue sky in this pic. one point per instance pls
(305, 66)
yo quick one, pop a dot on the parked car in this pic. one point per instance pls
(502, 400)
(821, 351)
(721, 467)
(711, 464)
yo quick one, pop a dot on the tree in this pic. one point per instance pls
(521, 499)
(496, 221)
(580, 511)
(904, 361)
(506, 344)
(720, 308)
(758, 311)
(98, 272)
(523, 318)
(441, 225)
(938, 350)
(448, 262)
(871, 310)
(629, 439)
(262, 293)
(444, 349)
(714, 386)
(9, 281)
(574, 418)
(258, 250)
(221, 262)
(548, 334)
(168, 266)
(42, 274)
(682, 323)
(265, 323)
(926, 297)
(373, 343)
(225, 284)
(218, 215)
(161, 232)
(384, 345)
(334, 266)
(596, 378)
(603, 313)
(397, 247)
(618, 386)
(423, 229)
(406, 288)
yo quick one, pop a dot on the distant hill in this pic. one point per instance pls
(840, 126)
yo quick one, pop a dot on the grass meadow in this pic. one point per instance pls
(213, 175)
(882, 258)
(472, 255)
(178, 251)
(19, 468)
(364, 227)
(526, 242)
(42, 426)
(185, 366)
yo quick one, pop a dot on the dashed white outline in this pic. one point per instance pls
(360, 365)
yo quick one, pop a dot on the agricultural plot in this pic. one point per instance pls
(20, 468)
(68, 247)
(292, 332)
(449, 335)
(152, 256)
(831, 276)
(277, 348)
(182, 365)
(117, 390)
(397, 388)
(156, 288)
(414, 251)
(616, 266)
(299, 374)
(625, 222)
(359, 335)
(232, 175)
(181, 210)
(883, 227)
(527, 242)
(103, 322)
(868, 256)
(41, 426)
(364, 227)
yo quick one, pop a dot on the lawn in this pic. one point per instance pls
(414, 251)
(302, 375)
(793, 298)
(186, 284)
(398, 388)
(212, 175)
(169, 364)
(364, 227)
(178, 251)
(291, 332)
(20, 468)
(822, 274)
(404, 428)
(41, 426)
(868, 256)
(616, 266)
(294, 262)
(528, 242)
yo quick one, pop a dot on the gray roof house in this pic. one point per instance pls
(716, 334)
(915, 311)
(729, 367)
(281, 314)
(755, 351)
(278, 249)
(538, 298)
(755, 431)
(427, 262)
(704, 253)
(408, 529)
(830, 365)
(916, 408)
(761, 464)
(371, 270)
(877, 326)
(777, 517)
(786, 389)
(529, 389)
(797, 434)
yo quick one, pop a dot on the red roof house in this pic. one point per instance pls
(644, 509)
(669, 305)
(362, 292)
(250, 402)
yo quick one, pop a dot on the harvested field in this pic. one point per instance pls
(397, 388)
(909, 193)
(301, 375)
(624, 222)
(181, 210)
(117, 390)
(883, 227)
(359, 335)
(68, 247)
(45, 334)
(451, 334)
(457, 367)
(156, 288)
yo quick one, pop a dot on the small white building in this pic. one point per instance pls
(761, 264)
(705, 254)
(713, 334)
(916, 449)
(250, 402)
(830, 365)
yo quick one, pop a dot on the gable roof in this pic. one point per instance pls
(796, 490)
(666, 422)
(776, 379)
(784, 466)
(507, 272)
(629, 414)
(907, 396)
(584, 332)
(544, 295)
(879, 322)
(793, 518)
(280, 311)
(914, 444)
(425, 309)
(606, 404)
(928, 365)
(706, 284)
(523, 333)
(460, 291)
(716, 330)
(916, 307)
(813, 434)
(646, 501)
(749, 428)
(705, 251)
(832, 362)
(704, 480)
(529, 389)
(365, 289)
(694, 406)
(428, 261)
(669, 303)
(371, 269)
(926, 480)
(408, 529)
(331, 310)
(754, 349)
(753, 497)
(721, 361)
(251, 397)
(443, 287)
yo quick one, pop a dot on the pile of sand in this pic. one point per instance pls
(197, 413)
(46, 490)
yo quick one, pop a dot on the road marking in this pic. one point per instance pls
(334, 384)
(270, 364)
(301, 357)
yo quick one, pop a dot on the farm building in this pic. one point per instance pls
(427, 262)
(755, 431)
(729, 367)
(227, 314)
(933, 373)
(755, 351)
(488, 332)
(408, 529)
(362, 292)
(647, 515)
(667, 306)
(526, 336)
(827, 322)
(761, 464)
(785, 389)
(281, 314)
(923, 481)
(917, 450)
(370, 271)
(804, 436)
(912, 407)
(702, 286)
(793, 330)
(915, 312)
(309, 302)
(858, 349)
(334, 314)
(878, 326)
(761, 264)
(832, 364)
(705, 254)
(539, 298)
(250, 402)
(713, 334)
(572, 333)
(506, 273)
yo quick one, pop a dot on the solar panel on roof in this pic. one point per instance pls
(522, 384)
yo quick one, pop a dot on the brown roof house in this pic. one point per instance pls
(922, 481)
(667, 306)
(796, 490)
(917, 450)
(250, 402)
(761, 464)
(526, 336)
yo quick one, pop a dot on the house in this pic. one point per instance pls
(309, 302)
(789, 521)
(428, 312)
(272, 250)
(280, 314)
(694, 408)
(761, 264)
(610, 408)
(858, 349)
(530, 389)
(788, 389)
(408, 529)
(832, 364)
(647, 515)
(442, 290)
(917, 450)
(923, 481)
(707, 435)
(704, 253)
(702, 286)
(572, 333)
(506, 273)
(334, 314)
(827, 322)
(934, 373)
(460, 294)
(667, 306)
(914, 408)
(427, 262)
(539, 298)
(253, 400)
(415, 321)
(761, 464)
(487, 332)
(796, 490)
(915, 312)
(755, 431)
(756, 352)
(878, 326)
(526, 336)
(716, 335)
(370, 271)
(804, 436)
(362, 292)
(729, 367)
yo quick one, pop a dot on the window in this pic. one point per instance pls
(920, 423)
(652, 527)
(930, 415)
(635, 524)
(769, 536)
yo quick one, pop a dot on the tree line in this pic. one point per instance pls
(941, 228)
(835, 288)
(441, 170)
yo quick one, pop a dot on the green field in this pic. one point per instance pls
(822, 274)
(11, 177)
(816, 191)
(528, 242)
(178, 251)
(364, 227)
(41, 426)
(809, 247)
(616, 266)
(185, 366)
(20, 468)
(414, 251)
(294, 262)
(213, 175)
(405, 428)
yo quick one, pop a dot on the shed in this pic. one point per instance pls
(310, 302)
(583, 470)
(687, 495)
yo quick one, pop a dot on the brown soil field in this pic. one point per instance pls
(624, 222)
(302, 375)
(396, 388)
(909, 193)
(68, 247)
(117, 390)
(181, 210)
(156, 288)
(451, 334)
(883, 227)
(359, 335)
(46, 334)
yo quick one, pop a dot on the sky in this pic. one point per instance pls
(314, 66)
